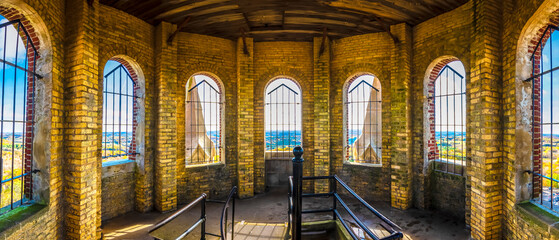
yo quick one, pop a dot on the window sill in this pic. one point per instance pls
(205, 165)
(116, 167)
(20, 216)
(539, 217)
(371, 165)
(116, 162)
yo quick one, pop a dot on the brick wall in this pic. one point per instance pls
(293, 60)
(435, 45)
(117, 190)
(246, 128)
(523, 24)
(131, 43)
(367, 53)
(448, 194)
(47, 19)
(81, 167)
(199, 54)
(475, 33)
(166, 144)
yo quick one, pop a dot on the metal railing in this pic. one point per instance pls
(296, 196)
(202, 220)
(18, 65)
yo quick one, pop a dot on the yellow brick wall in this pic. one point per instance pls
(123, 37)
(49, 15)
(434, 42)
(199, 54)
(294, 60)
(85, 38)
(368, 53)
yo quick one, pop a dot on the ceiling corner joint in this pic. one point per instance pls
(179, 27)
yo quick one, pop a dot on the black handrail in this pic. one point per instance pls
(202, 220)
(223, 224)
(295, 216)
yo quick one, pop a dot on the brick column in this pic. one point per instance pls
(401, 174)
(321, 66)
(166, 147)
(486, 166)
(245, 99)
(82, 213)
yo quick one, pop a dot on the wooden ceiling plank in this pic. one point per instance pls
(301, 19)
(186, 7)
(138, 8)
(205, 11)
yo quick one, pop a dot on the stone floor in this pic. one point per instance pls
(265, 215)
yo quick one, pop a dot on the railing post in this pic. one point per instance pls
(233, 216)
(203, 216)
(298, 192)
(334, 190)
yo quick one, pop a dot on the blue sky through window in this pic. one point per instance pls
(550, 84)
(12, 50)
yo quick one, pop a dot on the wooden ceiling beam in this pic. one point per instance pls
(243, 36)
(387, 29)
(179, 27)
(323, 44)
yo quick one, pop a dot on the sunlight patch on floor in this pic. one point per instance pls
(121, 232)
(249, 231)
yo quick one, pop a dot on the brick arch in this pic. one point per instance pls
(12, 14)
(38, 97)
(212, 76)
(273, 73)
(534, 33)
(284, 77)
(350, 70)
(357, 75)
(431, 75)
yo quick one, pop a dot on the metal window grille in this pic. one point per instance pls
(203, 132)
(18, 55)
(450, 121)
(545, 77)
(283, 119)
(118, 115)
(364, 121)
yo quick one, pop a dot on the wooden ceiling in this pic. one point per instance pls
(278, 20)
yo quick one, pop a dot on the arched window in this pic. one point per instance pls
(282, 113)
(203, 120)
(447, 146)
(119, 111)
(545, 118)
(363, 108)
(17, 92)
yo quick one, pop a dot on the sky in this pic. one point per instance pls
(550, 93)
(9, 43)
(115, 107)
